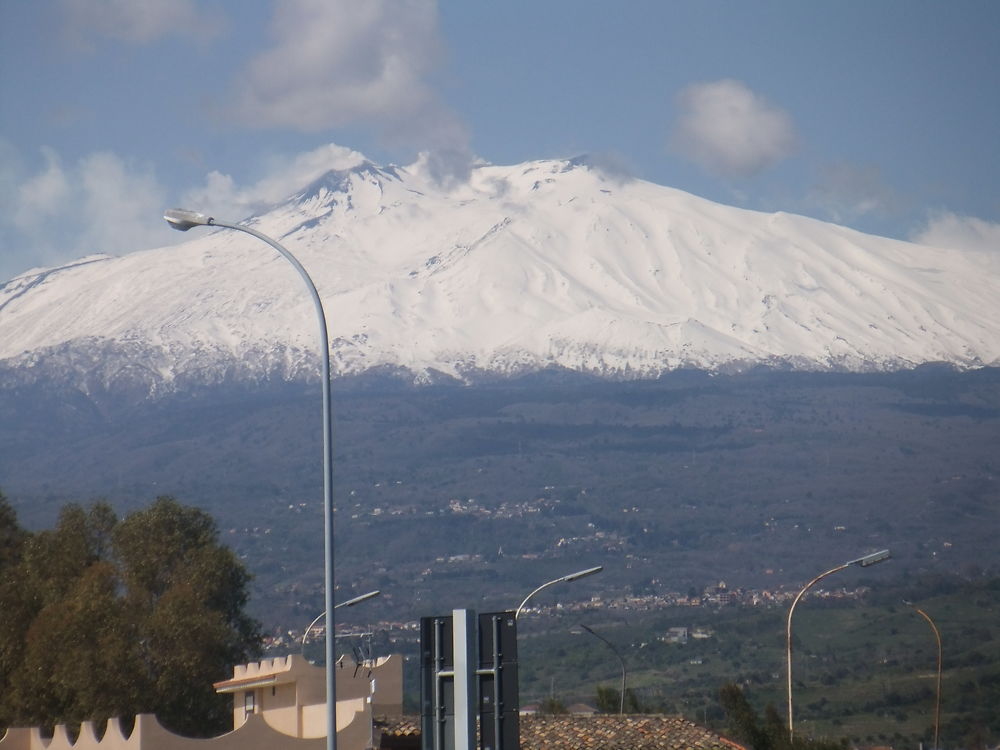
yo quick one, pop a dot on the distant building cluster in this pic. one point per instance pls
(712, 597)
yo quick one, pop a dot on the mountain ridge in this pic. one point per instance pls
(522, 268)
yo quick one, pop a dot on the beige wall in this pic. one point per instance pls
(147, 734)
(294, 701)
(288, 712)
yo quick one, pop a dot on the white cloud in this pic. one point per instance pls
(336, 63)
(221, 196)
(122, 204)
(101, 204)
(730, 130)
(42, 195)
(136, 22)
(55, 212)
(959, 232)
(846, 192)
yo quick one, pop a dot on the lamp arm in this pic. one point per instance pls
(543, 586)
(788, 635)
(309, 627)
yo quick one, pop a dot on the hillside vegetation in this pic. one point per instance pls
(863, 670)
(448, 496)
(471, 497)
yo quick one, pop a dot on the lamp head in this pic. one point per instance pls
(182, 220)
(358, 599)
(582, 573)
(874, 557)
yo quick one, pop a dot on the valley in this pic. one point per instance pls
(452, 495)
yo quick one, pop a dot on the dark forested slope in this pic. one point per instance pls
(451, 495)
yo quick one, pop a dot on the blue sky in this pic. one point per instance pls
(881, 115)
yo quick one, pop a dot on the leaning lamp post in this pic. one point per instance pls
(864, 562)
(561, 579)
(621, 659)
(937, 637)
(183, 220)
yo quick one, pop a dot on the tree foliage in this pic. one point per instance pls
(106, 617)
(771, 733)
(553, 706)
(609, 701)
(11, 535)
(15, 605)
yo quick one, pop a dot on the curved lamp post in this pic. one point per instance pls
(621, 703)
(864, 562)
(348, 603)
(562, 579)
(937, 636)
(183, 220)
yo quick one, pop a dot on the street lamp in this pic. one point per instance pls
(937, 636)
(621, 703)
(183, 220)
(348, 603)
(562, 579)
(863, 562)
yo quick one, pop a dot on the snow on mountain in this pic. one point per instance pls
(549, 263)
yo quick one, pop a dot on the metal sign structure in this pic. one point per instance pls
(499, 705)
(468, 671)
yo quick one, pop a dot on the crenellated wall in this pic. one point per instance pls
(287, 699)
(148, 734)
(290, 693)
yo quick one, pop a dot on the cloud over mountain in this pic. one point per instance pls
(964, 232)
(547, 264)
(221, 194)
(341, 63)
(727, 128)
(100, 203)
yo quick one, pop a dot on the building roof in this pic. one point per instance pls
(398, 726)
(599, 732)
(611, 732)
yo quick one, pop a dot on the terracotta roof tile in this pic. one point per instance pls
(398, 726)
(610, 732)
(600, 732)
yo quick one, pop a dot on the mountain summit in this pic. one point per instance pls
(525, 267)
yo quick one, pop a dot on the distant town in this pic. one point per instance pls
(715, 596)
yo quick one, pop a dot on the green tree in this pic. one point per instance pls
(775, 728)
(113, 618)
(552, 705)
(79, 657)
(609, 701)
(743, 723)
(192, 593)
(769, 734)
(15, 605)
(11, 535)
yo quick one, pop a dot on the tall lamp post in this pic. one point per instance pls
(349, 603)
(621, 702)
(562, 579)
(864, 562)
(937, 637)
(183, 220)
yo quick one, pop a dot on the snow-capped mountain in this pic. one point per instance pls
(543, 264)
